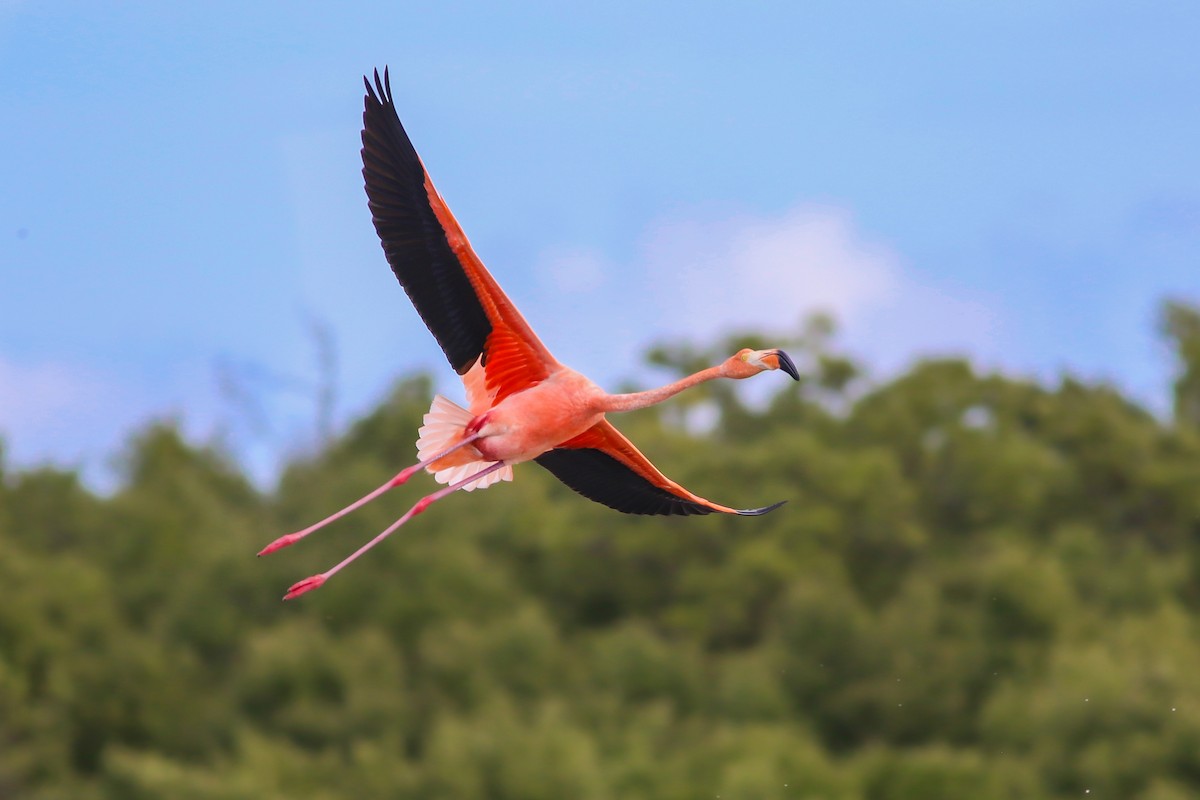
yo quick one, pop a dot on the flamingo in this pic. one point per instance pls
(523, 405)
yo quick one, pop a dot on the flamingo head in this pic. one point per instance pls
(747, 362)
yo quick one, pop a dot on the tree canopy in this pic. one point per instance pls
(981, 587)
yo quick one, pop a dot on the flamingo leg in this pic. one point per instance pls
(315, 582)
(401, 477)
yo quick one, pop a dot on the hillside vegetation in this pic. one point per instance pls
(981, 587)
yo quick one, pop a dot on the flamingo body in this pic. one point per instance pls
(523, 405)
(526, 424)
(533, 405)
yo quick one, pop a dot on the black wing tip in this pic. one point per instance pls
(381, 92)
(758, 512)
(599, 477)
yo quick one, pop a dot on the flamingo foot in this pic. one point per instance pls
(316, 581)
(280, 543)
(306, 585)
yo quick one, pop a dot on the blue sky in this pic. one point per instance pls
(1018, 182)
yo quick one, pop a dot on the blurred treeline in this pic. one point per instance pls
(982, 587)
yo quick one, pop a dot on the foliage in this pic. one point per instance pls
(981, 587)
(1180, 324)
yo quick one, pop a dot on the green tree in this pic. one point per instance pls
(981, 586)
(1180, 326)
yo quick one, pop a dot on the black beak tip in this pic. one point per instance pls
(786, 364)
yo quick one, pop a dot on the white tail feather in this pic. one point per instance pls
(444, 424)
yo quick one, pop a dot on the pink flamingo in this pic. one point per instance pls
(522, 404)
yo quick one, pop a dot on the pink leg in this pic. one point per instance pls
(316, 581)
(401, 477)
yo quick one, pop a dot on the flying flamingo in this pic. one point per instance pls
(522, 404)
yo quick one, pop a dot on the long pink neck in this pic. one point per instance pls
(636, 400)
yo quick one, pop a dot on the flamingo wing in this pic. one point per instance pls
(461, 304)
(604, 466)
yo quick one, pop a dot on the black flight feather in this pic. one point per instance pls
(598, 476)
(413, 240)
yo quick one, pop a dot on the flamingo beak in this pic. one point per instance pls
(785, 363)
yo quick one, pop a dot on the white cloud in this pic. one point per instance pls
(38, 396)
(926, 319)
(76, 416)
(51, 410)
(699, 278)
(767, 273)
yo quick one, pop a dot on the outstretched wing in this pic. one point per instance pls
(602, 465)
(461, 304)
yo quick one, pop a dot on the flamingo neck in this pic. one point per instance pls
(635, 400)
